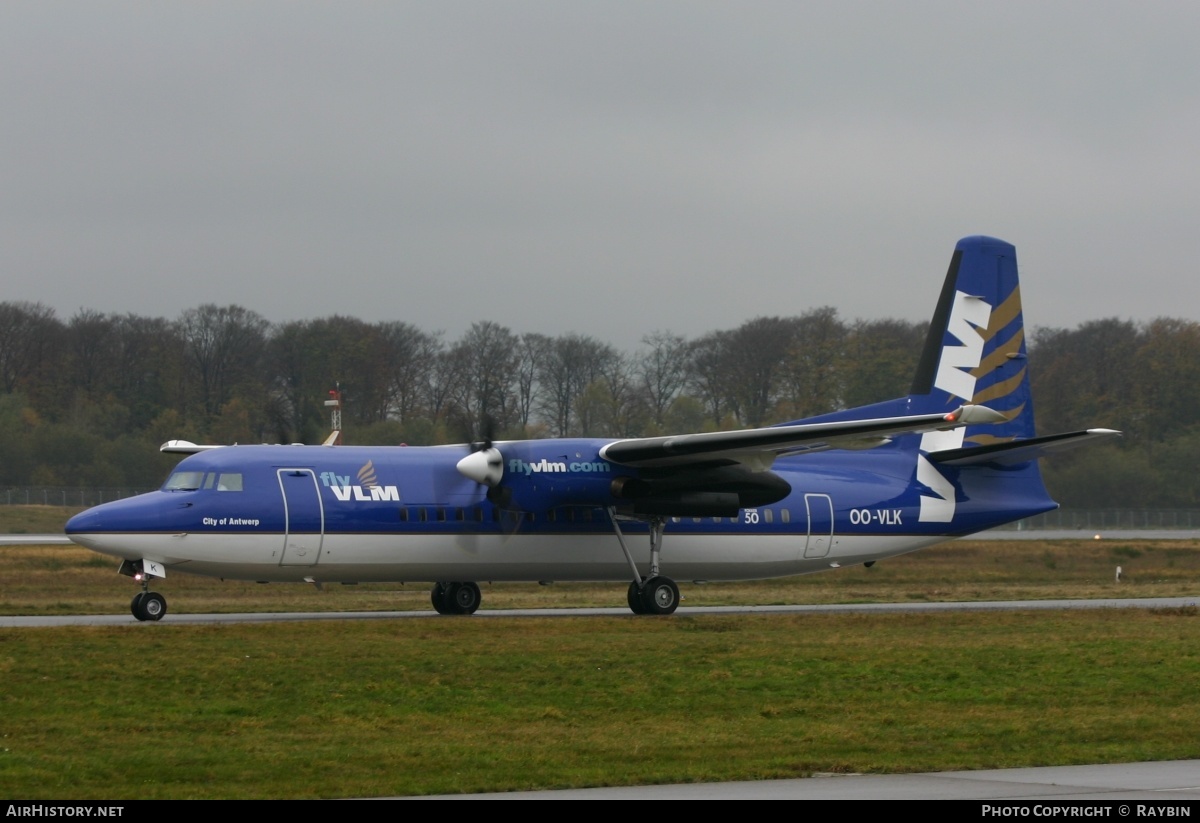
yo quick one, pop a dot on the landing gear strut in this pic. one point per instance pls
(655, 594)
(455, 598)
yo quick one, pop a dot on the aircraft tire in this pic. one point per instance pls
(135, 605)
(463, 598)
(438, 596)
(152, 606)
(635, 599)
(660, 595)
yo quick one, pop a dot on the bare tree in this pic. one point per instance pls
(410, 354)
(812, 372)
(486, 360)
(758, 352)
(532, 351)
(662, 371)
(572, 362)
(223, 347)
(29, 336)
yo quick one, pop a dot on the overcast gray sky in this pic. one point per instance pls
(610, 168)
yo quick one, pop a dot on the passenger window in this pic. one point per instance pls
(768, 515)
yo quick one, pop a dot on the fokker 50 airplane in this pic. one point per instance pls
(956, 456)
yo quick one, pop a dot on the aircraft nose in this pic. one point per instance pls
(85, 521)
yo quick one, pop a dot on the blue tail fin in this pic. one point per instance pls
(975, 350)
(975, 353)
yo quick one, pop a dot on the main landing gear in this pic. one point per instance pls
(655, 594)
(455, 598)
(658, 595)
(148, 605)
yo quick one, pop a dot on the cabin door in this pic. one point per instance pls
(303, 517)
(820, 524)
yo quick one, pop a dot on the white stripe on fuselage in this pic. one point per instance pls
(491, 557)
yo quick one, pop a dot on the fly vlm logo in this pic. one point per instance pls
(368, 487)
(517, 466)
(968, 315)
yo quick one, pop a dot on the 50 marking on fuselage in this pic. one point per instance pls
(858, 517)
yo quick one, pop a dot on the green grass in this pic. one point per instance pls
(35, 519)
(454, 704)
(449, 705)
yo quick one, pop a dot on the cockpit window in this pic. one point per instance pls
(194, 481)
(183, 482)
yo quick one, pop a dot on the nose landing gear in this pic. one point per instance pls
(146, 605)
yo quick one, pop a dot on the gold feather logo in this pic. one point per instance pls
(366, 476)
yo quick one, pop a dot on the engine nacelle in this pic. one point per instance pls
(710, 492)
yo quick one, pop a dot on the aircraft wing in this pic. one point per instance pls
(758, 448)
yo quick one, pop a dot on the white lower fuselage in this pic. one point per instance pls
(352, 558)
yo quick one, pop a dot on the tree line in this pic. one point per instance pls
(86, 401)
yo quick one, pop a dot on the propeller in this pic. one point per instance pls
(484, 464)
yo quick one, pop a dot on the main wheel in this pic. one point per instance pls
(464, 598)
(660, 595)
(152, 607)
(635, 599)
(440, 599)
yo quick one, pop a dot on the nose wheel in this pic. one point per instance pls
(148, 606)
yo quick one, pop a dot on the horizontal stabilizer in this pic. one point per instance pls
(183, 447)
(1020, 451)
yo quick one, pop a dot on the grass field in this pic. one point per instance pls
(453, 704)
(450, 705)
(35, 519)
